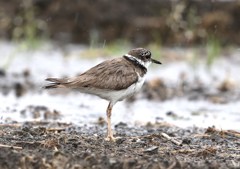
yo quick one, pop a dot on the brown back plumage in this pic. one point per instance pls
(115, 74)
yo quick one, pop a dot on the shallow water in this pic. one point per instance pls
(82, 108)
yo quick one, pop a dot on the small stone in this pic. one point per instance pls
(120, 124)
(26, 73)
(2, 73)
(186, 141)
(112, 161)
(19, 89)
(151, 150)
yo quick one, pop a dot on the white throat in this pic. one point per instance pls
(144, 64)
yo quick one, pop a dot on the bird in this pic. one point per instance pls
(112, 80)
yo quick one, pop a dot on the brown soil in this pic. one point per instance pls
(57, 145)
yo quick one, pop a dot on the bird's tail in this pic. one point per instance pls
(55, 83)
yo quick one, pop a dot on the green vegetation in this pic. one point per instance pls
(26, 31)
(213, 49)
(117, 48)
(106, 50)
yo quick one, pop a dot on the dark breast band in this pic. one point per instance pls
(136, 63)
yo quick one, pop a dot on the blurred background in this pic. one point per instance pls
(196, 40)
(176, 22)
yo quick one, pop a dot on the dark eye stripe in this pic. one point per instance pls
(148, 56)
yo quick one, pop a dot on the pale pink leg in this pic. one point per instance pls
(109, 129)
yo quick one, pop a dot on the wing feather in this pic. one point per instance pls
(116, 74)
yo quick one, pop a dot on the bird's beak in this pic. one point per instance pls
(155, 61)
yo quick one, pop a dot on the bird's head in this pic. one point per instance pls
(142, 56)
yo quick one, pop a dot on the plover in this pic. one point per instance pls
(112, 80)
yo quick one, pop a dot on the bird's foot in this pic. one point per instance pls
(110, 138)
(113, 139)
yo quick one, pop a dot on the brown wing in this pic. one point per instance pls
(113, 74)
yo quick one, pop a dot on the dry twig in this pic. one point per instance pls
(56, 129)
(171, 139)
(8, 146)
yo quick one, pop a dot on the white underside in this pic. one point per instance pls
(115, 96)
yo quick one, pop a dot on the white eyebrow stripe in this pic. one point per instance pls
(134, 58)
(130, 56)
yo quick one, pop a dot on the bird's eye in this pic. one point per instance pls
(148, 56)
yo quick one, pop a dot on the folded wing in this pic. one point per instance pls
(112, 75)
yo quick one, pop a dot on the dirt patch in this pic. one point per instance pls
(59, 145)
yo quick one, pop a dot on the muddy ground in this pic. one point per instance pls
(47, 144)
(57, 145)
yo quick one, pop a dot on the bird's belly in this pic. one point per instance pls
(116, 95)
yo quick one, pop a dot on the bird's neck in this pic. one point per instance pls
(137, 62)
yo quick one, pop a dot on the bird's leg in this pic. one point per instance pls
(109, 129)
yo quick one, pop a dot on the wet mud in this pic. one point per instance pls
(48, 144)
(159, 145)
